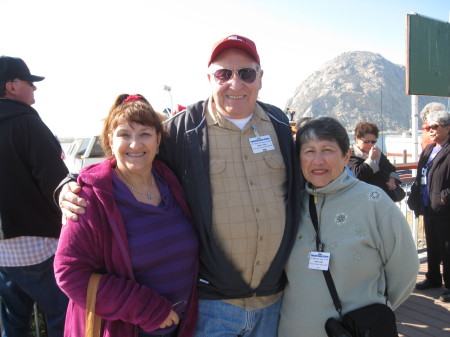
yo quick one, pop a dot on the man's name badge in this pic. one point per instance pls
(319, 260)
(261, 144)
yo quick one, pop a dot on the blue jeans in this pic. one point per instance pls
(20, 287)
(220, 319)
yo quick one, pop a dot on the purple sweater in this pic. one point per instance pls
(98, 243)
(163, 244)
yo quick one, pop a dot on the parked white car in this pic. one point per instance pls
(82, 152)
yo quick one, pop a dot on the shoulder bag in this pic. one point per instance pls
(398, 194)
(93, 322)
(375, 320)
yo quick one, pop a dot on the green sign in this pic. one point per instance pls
(428, 56)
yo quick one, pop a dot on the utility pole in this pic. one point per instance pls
(169, 89)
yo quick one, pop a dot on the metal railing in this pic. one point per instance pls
(416, 224)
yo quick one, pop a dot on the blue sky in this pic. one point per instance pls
(92, 50)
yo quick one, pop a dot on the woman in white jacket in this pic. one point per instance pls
(368, 238)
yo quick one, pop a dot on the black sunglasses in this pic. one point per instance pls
(248, 75)
(369, 141)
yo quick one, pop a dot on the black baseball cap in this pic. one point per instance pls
(14, 67)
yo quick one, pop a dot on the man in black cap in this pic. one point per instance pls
(30, 169)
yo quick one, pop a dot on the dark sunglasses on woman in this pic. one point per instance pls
(434, 127)
(369, 141)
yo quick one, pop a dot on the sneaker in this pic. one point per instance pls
(445, 297)
(427, 284)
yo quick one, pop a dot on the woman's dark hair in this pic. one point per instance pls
(132, 109)
(366, 128)
(323, 128)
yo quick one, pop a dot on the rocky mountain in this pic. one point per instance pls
(356, 86)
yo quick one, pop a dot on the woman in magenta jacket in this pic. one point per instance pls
(137, 232)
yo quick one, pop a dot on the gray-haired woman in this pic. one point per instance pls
(430, 197)
(366, 235)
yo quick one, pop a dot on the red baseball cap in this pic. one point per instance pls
(234, 41)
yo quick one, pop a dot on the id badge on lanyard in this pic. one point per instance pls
(260, 143)
(319, 260)
(423, 179)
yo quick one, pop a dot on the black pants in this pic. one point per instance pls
(437, 231)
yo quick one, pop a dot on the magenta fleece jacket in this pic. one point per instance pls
(98, 243)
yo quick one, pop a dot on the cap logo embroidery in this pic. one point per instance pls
(234, 37)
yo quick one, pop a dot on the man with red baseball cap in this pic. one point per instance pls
(30, 169)
(236, 160)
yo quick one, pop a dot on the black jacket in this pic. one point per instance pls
(438, 183)
(364, 172)
(186, 152)
(30, 169)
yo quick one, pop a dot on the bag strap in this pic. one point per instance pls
(326, 273)
(319, 245)
(93, 322)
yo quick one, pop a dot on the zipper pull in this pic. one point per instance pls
(315, 197)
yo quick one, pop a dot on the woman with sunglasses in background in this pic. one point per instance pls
(433, 106)
(368, 163)
(430, 197)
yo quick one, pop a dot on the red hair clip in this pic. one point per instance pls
(133, 98)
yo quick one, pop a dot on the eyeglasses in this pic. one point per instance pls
(248, 75)
(369, 141)
(429, 127)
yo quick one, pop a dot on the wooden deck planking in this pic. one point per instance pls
(423, 314)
